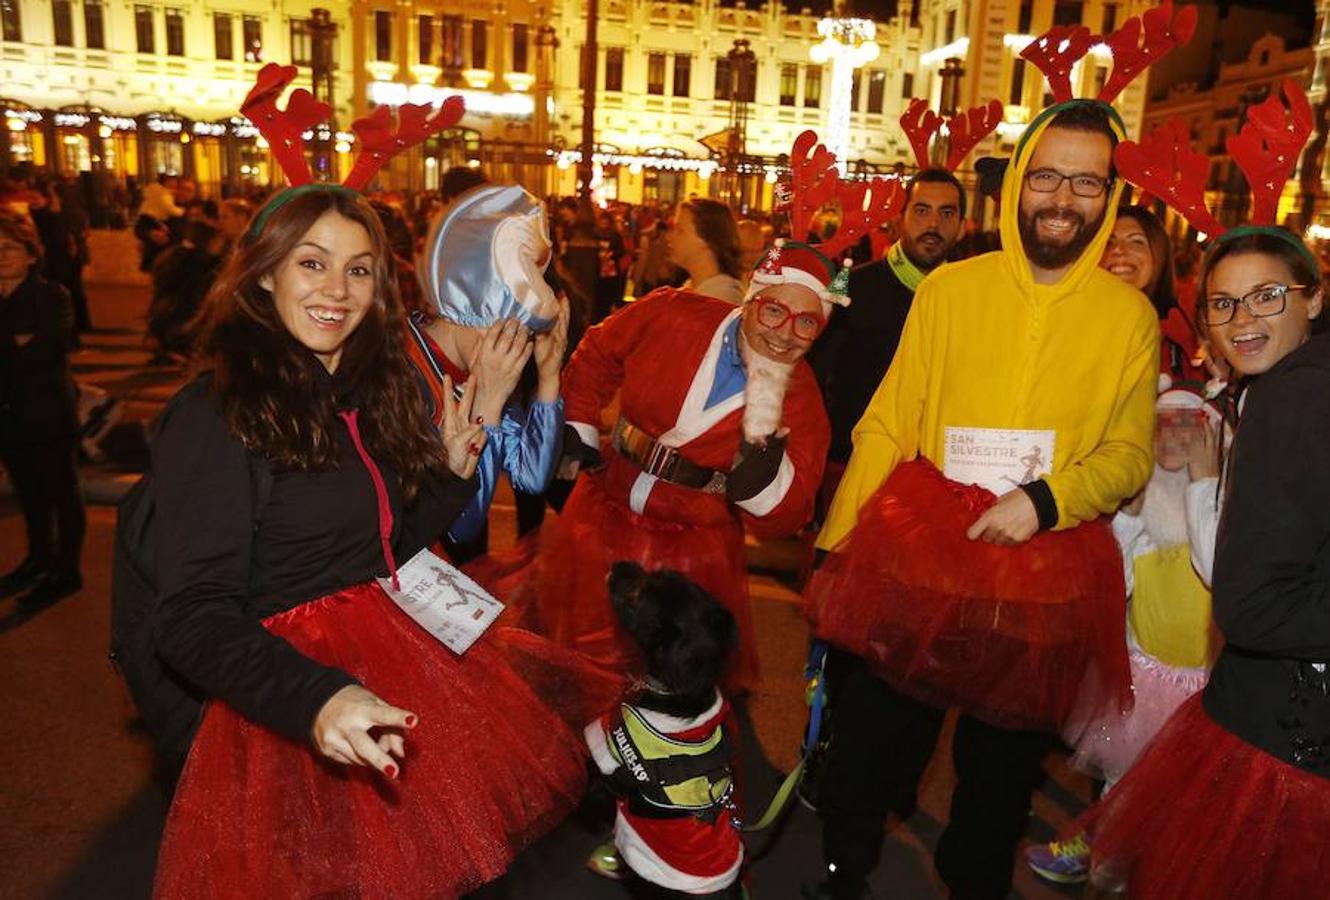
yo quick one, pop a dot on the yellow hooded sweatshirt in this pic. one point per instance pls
(984, 346)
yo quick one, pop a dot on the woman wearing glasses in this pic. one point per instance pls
(1233, 798)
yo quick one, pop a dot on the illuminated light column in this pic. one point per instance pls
(847, 44)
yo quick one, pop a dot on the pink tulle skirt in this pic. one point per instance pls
(1031, 636)
(562, 593)
(490, 767)
(1204, 814)
(1109, 747)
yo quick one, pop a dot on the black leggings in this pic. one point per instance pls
(45, 479)
(880, 745)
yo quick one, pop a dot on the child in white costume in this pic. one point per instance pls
(1167, 537)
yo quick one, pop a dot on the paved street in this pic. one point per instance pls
(81, 818)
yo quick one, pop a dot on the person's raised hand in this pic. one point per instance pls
(463, 439)
(549, 350)
(1012, 520)
(499, 358)
(1203, 451)
(342, 730)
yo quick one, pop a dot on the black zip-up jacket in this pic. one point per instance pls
(1271, 683)
(219, 577)
(37, 394)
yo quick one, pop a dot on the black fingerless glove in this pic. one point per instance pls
(757, 467)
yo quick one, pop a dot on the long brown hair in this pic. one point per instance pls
(275, 395)
(714, 223)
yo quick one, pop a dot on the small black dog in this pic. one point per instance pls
(665, 752)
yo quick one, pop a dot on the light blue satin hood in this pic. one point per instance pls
(485, 258)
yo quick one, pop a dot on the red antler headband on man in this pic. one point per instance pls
(966, 130)
(815, 182)
(284, 130)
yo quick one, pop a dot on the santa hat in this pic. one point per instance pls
(791, 262)
(1185, 397)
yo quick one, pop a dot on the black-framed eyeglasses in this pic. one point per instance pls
(1083, 184)
(1260, 303)
(773, 314)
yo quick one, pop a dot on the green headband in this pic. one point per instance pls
(283, 197)
(1273, 231)
(1113, 117)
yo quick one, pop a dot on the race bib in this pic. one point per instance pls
(998, 459)
(443, 601)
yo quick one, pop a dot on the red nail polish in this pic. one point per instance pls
(473, 450)
(480, 420)
(390, 770)
(411, 721)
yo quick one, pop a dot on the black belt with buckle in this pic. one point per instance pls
(665, 463)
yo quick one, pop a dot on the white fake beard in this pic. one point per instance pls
(1164, 512)
(764, 395)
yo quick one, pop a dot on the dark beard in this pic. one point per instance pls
(922, 258)
(1055, 256)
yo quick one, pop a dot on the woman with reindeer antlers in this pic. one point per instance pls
(344, 751)
(1233, 797)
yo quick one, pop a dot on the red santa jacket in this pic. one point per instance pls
(661, 354)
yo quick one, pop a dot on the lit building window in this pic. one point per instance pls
(521, 45)
(724, 85)
(813, 87)
(1110, 18)
(301, 50)
(789, 83)
(1017, 95)
(855, 90)
(12, 23)
(383, 36)
(907, 86)
(1026, 15)
(252, 32)
(479, 44)
(94, 27)
(175, 33)
(614, 68)
(683, 73)
(62, 16)
(453, 57)
(222, 30)
(144, 37)
(877, 89)
(949, 32)
(656, 73)
(425, 40)
(1067, 12)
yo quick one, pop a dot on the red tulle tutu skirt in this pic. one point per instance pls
(565, 598)
(489, 768)
(1204, 814)
(1022, 637)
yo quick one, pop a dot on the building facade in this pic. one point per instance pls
(144, 88)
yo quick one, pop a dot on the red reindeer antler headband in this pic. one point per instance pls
(815, 182)
(284, 130)
(1058, 50)
(1265, 149)
(967, 129)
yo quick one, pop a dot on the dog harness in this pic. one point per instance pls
(665, 778)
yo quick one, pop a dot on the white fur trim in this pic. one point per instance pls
(771, 496)
(667, 724)
(637, 497)
(589, 433)
(643, 860)
(792, 275)
(599, 747)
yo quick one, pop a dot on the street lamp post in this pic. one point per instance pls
(322, 31)
(743, 62)
(951, 75)
(847, 43)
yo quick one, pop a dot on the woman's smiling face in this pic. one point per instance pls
(1128, 254)
(1251, 344)
(325, 285)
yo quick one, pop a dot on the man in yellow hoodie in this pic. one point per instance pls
(967, 567)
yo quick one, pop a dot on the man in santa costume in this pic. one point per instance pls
(720, 428)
